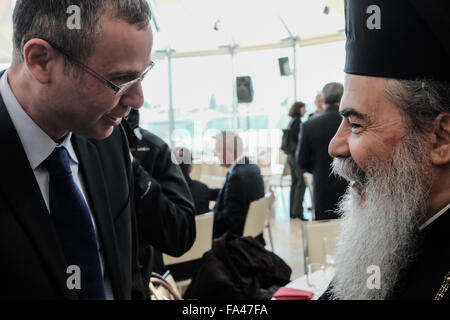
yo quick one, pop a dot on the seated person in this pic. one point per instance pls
(201, 193)
(243, 185)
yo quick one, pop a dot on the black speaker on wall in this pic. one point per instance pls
(285, 68)
(244, 89)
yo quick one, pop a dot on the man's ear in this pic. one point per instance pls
(440, 152)
(38, 55)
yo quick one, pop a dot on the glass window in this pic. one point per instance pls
(155, 112)
(319, 65)
(202, 98)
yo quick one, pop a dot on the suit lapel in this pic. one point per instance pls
(20, 189)
(93, 175)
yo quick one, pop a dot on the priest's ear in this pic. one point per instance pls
(440, 152)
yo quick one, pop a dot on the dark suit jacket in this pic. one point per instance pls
(312, 155)
(168, 203)
(202, 195)
(165, 210)
(426, 274)
(243, 185)
(32, 263)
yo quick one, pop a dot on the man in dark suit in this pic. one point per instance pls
(67, 225)
(243, 184)
(161, 194)
(312, 153)
(201, 193)
(393, 144)
(319, 106)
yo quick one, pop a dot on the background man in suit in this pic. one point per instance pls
(67, 227)
(394, 146)
(162, 195)
(243, 185)
(201, 193)
(318, 102)
(312, 153)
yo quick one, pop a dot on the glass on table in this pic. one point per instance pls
(316, 277)
(329, 250)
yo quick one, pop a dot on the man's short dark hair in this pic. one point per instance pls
(332, 93)
(48, 19)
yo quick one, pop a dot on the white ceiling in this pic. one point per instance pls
(188, 25)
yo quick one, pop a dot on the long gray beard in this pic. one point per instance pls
(380, 229)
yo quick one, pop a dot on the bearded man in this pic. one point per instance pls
(393, 145)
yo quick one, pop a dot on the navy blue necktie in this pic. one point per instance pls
(71, 218)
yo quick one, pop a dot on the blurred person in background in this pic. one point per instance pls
(318, 102)
(289, 146)
(312, 154)
(243, 184)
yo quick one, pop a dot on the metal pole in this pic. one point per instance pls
(294, 46)
(235, 100)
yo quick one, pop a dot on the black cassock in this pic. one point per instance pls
(429, 272)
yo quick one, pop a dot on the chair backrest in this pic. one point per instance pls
(202, 243)
(313, 234)
(256, 216)
(196, 171)
(213, 169)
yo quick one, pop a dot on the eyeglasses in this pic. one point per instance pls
(118, 89)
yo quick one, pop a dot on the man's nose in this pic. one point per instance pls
(134, 97)
(338, 147)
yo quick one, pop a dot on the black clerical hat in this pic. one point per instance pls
(402, 39)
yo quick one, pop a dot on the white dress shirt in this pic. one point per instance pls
(38, 146)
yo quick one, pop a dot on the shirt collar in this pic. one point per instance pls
(437, 215)
(36, 143)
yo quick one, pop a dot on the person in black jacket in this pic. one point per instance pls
(298, 185)
(393, 145)
(243, 184)
(201, 193)
(162, 195)
(66, 192)
(312, 154)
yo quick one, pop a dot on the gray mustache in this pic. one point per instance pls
(349, 170)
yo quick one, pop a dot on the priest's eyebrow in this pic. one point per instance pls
(351, 112)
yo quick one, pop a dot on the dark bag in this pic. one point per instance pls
(238, 268)
(285, 144)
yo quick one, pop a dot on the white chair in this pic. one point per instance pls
(196, 171)
(258, 218)
(283, 180)
(313, 233)
(203, 243)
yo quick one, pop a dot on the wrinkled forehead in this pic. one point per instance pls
(367, 95)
